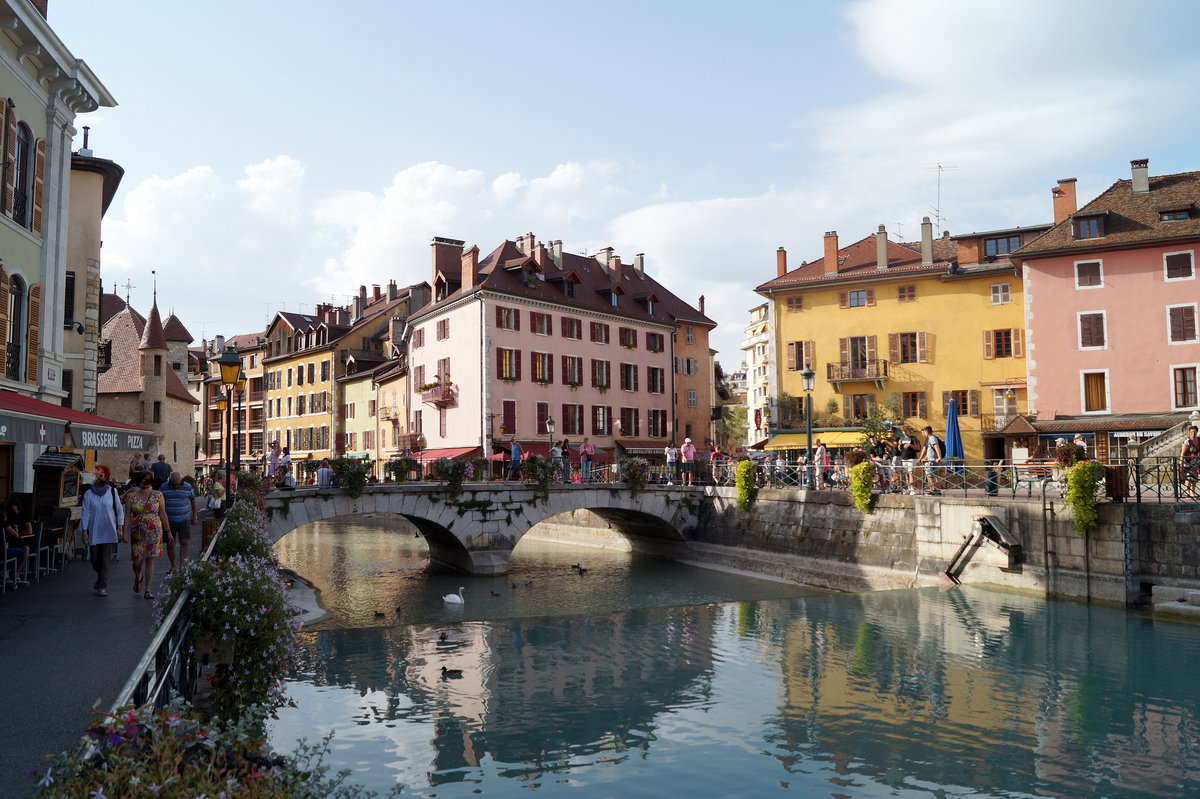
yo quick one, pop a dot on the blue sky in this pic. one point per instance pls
(289, 152)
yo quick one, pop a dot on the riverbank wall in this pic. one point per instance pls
(819, 538)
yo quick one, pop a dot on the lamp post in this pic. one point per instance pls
(550, 438)
(223, 409)
(237, 449)
(807, 378)
(231, 367)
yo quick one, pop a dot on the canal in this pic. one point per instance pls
(644, 677)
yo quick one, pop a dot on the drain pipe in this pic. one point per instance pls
(1046, 540)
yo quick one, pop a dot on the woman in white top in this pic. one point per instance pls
(671, 452)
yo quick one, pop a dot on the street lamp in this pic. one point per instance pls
(231, 367)
(550, 437)
(240, 385)
(807, 378)
(223, 409)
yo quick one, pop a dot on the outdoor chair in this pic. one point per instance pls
(34, 561)
(54, 535)
(10, 563)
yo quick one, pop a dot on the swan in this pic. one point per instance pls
(455, 599)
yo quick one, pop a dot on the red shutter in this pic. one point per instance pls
(843, 299)
(550, 368)
(635, 377)
(499, 317)
(595, 367)
(516, 319)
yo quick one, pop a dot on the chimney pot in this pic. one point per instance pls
(831, 252)
(780, 262)
(639, 262)
(1140, 168)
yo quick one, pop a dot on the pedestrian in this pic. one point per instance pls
(714, 463)
(671, 454)
(565, 458)
(821, 463)
(161, 470)
(514, 463)
(273, 463)
(285, 462)
(144, 526)
(910, 451)
(182, 513)
(555, 458)
(587, 451)
(932, 455)
(1189, 462)
(324, 474)
(18, 537)
(100, 521)
(780, 468)
(687, 454)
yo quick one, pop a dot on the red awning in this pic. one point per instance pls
(30, 421)
(448, 452)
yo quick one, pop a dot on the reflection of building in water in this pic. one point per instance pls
(535, 692)
(995, 691)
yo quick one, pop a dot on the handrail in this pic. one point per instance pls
(146, 684)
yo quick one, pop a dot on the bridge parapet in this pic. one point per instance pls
(478, 530)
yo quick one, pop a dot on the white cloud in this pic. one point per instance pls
(274, 187)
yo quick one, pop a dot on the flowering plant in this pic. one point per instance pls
(634, 472)
(244, 531)
(352, 473)
(541, 471)
(170, 754)
(400, 469)
(454, 472)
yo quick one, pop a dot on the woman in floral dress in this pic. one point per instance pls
(145, 521)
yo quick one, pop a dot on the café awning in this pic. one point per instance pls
(25, 420)
(447, 452)
(799, 440)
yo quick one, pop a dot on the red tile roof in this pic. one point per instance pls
(111, 305)
(175, 331)
(858, 260)
(1129, 218)
(125, 330)
(153, 337)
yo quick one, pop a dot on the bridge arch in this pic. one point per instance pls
(477, 531)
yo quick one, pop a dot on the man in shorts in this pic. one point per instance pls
(934, 451)
(687, 454)
(181, 513)
(909, 449)
(881, 455)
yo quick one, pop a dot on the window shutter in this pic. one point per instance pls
(843, 299)
(871, 353)
(810, 353)
(922, 347)
(595, 367)
(989, 344)
(635, 377)
(847, 407)
(550, 368)
(792, 355)
(894, 347)
(870, 296)
(517, 363)
(844, 351)
(499, 317)
(516, 319)
(973, 403)
(33, 337)
(10, 157)
(39, 184)
(1018, 348)
(922, 408)
(3, 324)
(946, 403)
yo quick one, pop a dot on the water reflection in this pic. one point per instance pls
(902, 693)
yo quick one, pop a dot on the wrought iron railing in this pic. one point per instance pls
(857, 370)
(12, 361)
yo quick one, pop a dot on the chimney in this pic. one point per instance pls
(614, 266)
(396, 330)
(639, 262)
(470, 267)
(393, 290)
(926, 242)
(446, 255)
(341, 318)
(525, 244)
(605, 255)
(1141, 175)
(218, 345)
(881, 251)
(831, 252)
(359, 302)
(556, 252)
(376, 293)
(1064, 199)
(780, 262)
(701, 303)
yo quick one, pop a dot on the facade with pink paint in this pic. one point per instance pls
(530, 334)
(1111, 305)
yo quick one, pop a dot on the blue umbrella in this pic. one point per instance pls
(954, 447)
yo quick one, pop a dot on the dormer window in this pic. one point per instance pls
(1087, 227)
(612, 297)
(1173, 215)
(1002, 245)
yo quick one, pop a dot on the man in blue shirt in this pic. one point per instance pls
(181, 513)
(514, 465)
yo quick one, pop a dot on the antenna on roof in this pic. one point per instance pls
(899, 230)
(937, 209)
(154, 281)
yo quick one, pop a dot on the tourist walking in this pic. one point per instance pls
(1189, 462)
(273, 462)
(514, 463)
(100, 520)
(687, 453)
(671, 453)
(933, 453)
(909, 449)
(587, 451)
(161, 471)
(821, 464)
(181, 515)
(144, 526)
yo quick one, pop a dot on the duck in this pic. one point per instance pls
(514, 586)
(582, 571)
(451, 674)
(442, 637)
(455, 599)
(495, 594)
(379, 614)
(575, 566)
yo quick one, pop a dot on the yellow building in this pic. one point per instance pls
(901, 329)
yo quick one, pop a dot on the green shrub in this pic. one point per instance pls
(634, 472)
(244, 531)
(747, 488)
(1082, 485)
(400, 469)
(353, 474)
(540, 471)
(862, 479)
(454, 472)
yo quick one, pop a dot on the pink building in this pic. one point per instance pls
(530, 333)
(1111, 295)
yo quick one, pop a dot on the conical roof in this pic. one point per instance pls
(153, 337)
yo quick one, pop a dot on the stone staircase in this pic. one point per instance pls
(1167, 443)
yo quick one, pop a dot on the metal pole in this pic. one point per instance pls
(808, 464)
(228, 451)
(237, 449)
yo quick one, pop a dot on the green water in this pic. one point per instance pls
(646, 678)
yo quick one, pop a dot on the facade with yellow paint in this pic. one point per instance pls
(899, 329)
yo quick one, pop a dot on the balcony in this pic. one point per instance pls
(407, 441)
(857, 371)
(438, 395)
(389, 413)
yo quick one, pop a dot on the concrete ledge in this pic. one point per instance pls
(1178, 609)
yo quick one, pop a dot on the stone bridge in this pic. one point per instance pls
(477, 531)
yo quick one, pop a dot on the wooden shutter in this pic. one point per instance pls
(595, 369)
(509, 418)
(791, 356)
(516, 319)
(499, 319)
(500, 363)
(972, 403)
(870, 297)
(809, 353)
(10, 157)
(894, 347)
(3, 317)
(1183, 323)
(922, 408)
(550, 366)
(872, 364)
(33, 337)
(844, 351)
(39, 184)
(1018, 343)
(517, 363)
(946, 403)
(989, 344)
(843, 299)
(847, 407)
(922, 347)
(635, 377)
